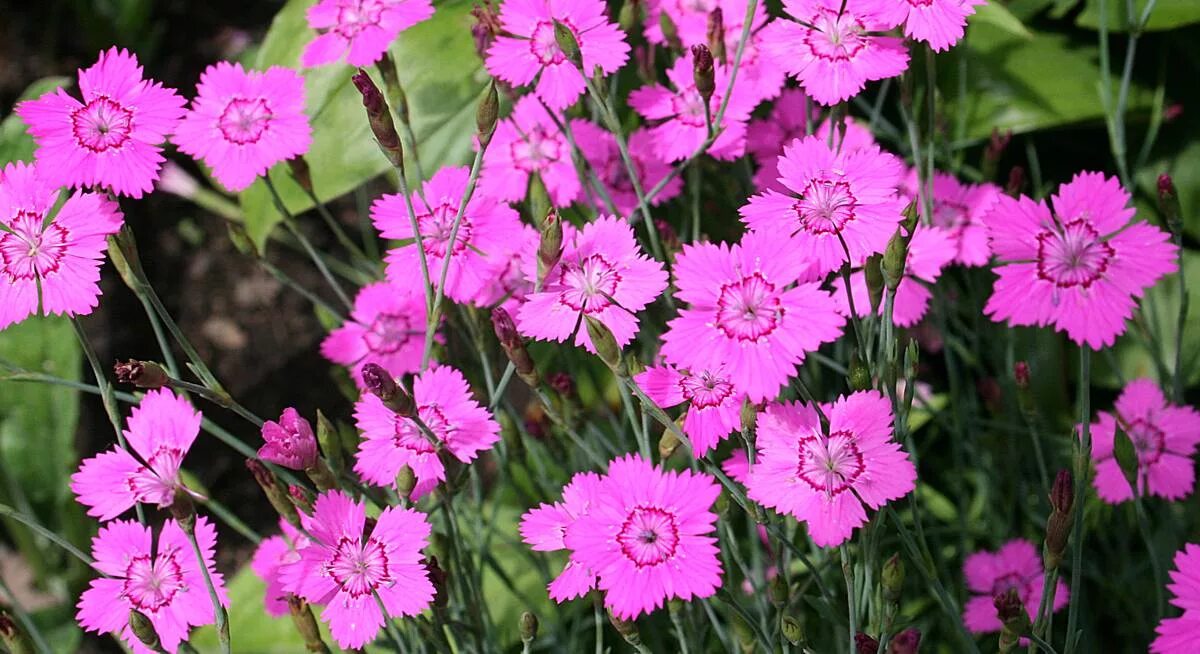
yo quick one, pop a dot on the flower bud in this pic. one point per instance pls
(567, 42)
(873, 271)
(791, 629)
(562, 384)
(183, 510)
(912, 216)
(143, 629)
(864, 644)
(1126, 455)
(891, 579)
(17, 642)
(860, 376)
(670, 31)
(276, 494)
(380, 119)
(1016, 181)
(605, 343)
(1058, 525)
(406, 481)
(703, 73)
(550, 244)
(627, 628)
(528, 627)
(381, 384)
(1014, 618)
(1021, 375)
(514, 346)
(142, 374)
(1168, 203)
(289, 443)
(241, 239)
(300, 499)
(487, 114)
(894, 259)
(748, 416)
(906, 642)
(301, 173)
(669, 442)
(175, 180)
(629, 15)
(779, 591)
(330, 442)
(716, 34)
(306, 624)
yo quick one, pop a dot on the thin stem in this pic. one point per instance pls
(36, 527)
(286, 280)
(218, 397)
(1037, 640)
(598, 618)
(1180, 323)
(219, 611)
(1083, 457)
(1139, 508)
(27, 622)
(1042, 620)
(392, 633)
(848, 575)
(290, 223)
(338, 233)
(643, 440)
(160, 337)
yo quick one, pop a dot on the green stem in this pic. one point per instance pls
(1180, 323)
(389, 626)
(1083, 459)
(1041, 623)
(851, 614)
(290, 223)
(222, 616)
(1139, 508)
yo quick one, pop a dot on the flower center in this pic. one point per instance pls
(388, 333)
(355, 16)
(410, 437)
(825, 207)
(649, 536)
(1149, 441)
(1072, 256)
(705, 390)
(589, 284)
(28, 251)
(536, 150)
(436, 225)
(830, 464)
(544, 46)
(688, 107)
(359, 568)
(155, 482)
(837, 38)
(749, 309)
(101, 124)
(244, 121)
(151, 584)
(1006, 582)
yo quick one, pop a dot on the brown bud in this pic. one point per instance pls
(301, 172)
(1014, 618)
(437, 577)
(1058, 525)
(487, 114)
(703, 72)
(996, 146)
(381, 384)
(514, 346)
(716, 34)
(1168, 203)
(906, 642)
(562, 383)
(1062, 494)
(864, 644)
(276, 494)
(183, 510)
(380, 119)
(142, 374)
(528, 627)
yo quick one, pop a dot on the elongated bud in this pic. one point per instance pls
(1168, 203)
(1014, 618)
(779, 591)
(1021, 375)
(703, 72)
(605, 343)
(550, 244)
(906, 642)
(567, 42)
(183, 510)
(487, 114)
(891, 579)
(301, 173)
(629, 16)
(528, 627)
(142, 374)
(276, 494)
(15, 639)
(514, 346)
(328, 439)
(669, 442)
(627, 628)
(1058, 525)
(406, 481)
(912, 216)
(864, 644)
(321, 476)
(381, 384)
(381, 120)
(721, 505)
(860, 376)
(306, 624)
(791, 629)
(143, 629)
(894, 259)
(748, 417)
(670, 31)
(716, 34)
(1016, 181)
(300, 499)
(747, 642)
(1126, 455)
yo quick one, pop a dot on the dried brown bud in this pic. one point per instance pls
(1062, 494)
(142, 374)
(301, 172)
(703, 72)
(183, 510)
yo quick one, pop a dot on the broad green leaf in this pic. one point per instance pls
(250, 628)
(998, 16)
(441, 75)
(1166, 15)
(15, 142)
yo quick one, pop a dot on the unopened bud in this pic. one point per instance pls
(514, 346)
(487, 114)
(864, 644)
(300, 499)
(183, 510)
(1021, 375)
(912, 216)
(15, 639)
(562, 384)
(906, 642)
(143, 629)
(565, 38)
(301, 172)
(241, 240)
(330, 442)
(669, 442)
(550, 244)
(748, 416)
(1168, 203)
(380, 119)
(779, 591)
(528, 627)
(1016, 181)
(290, 442)
(891, 579)
(860, 376)
(703, 72)
(894, 260)
(629, 15)
(1014, 618)
(604, 343)
(627, 628)
(1058, 525)
(381, 384)
(873, 271)
(142, 374)
(791, 629)
(1062, 494)
(175, 180)
(670, 31)
(716, 34)
(1126, 455)
(746, 639)
(406, 481)
(306, 624)
(276, 494)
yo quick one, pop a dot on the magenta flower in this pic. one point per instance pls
(599, 148)
(714, 404)
(544, 529)
(485, 233)
(1015, 565)
(737, 466)
(352, 569)
(112, 138)
(269, 557)
(745, 313)
(162, 580)
(528, 143)
(386, 327)
(833, 52)
(509, 285)
(602, 274)
(678, 113)
(290, 442)
(160, 431)
(1181, 635)
(959, 208)
(61, 258)
(940, 23)
(444, 404)
(1164, 436)
(690, 18)
(527, 48)
(1080, 268)
(929, 251)
(646, 536)
(825, 477)
(241, 124)
(360, 30)
(852, 193)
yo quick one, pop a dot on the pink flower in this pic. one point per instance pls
(746, 315)
(825, 476)
(360, 30)
(599, 147)
(1016, 565)
(646, 536)
(602, 274)
(851, 193)
(1080, 268)
(528, 143)
(445, 405)
(527, 48)
(544, 528)
(737, 466)
(290, 442)
(164, 581)
(509, 285)
(241, 124)
(485, 232)
(959, 208)
(834, 61)
(930, 250)
(940, 23)
(387, 327)
(714, 404)
(61, 258)
(352, 569)
(1164, 436)
(1181, 635)
(679, 113)
(271, 555)
(160, 431)
(690, 18)
(112, 139)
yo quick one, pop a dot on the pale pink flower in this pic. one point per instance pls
(112, 139)
(929, 251)
(360, 30)
(825, 476)
(290, 442)
(544, 527)
(272, 554)
(351, 569)
(647, 536)
(446, 406)
(1080, 268)
(61, 258)
(1164, 436)
(940, 23)
(529, 143)
(849, 193)
(1018, 565)
(840, 49)
(747, 313)
(242, 123)
(528, 50)
(1181, 635)
(599, 148)
(160, 431)
(160, 577)
(509, 284)
(386, 327)
(714, 404)
(603, 274)
(960, 208)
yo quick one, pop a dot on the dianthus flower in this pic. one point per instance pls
(485, 232)
(361, 30)
(163, 580)
(544, 527)
(1181, 635)
(272, 554)
(832, 47)
(290, 442)
(386, 327)
(690, 18)
(929, 251)
(1164, 437)
(352, 569)
(160, 431)
(1017, 565)
(528, 48)
(509, 285)
(745, 314)
(390, 441)
(960, 208)
(242, 123)
(1079, 268)
(714, 404)
(825, 476)
(528, 143)
(646, 535)
(112, 139)
(602, 274)
(599, 148)
(940, 23)
(61, 258)
(851, 194)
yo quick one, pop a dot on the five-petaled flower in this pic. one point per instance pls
(1017, 564)
(525, 144)
(544, 528)
(386, 327)
(361, 30)
(713, 403)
